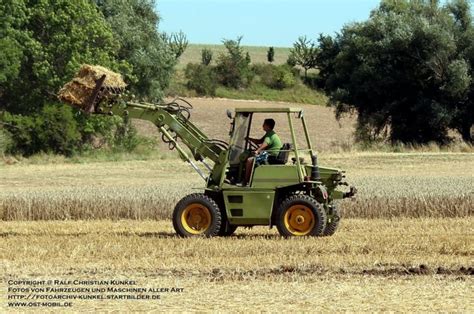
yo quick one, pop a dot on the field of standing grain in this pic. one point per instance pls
(405, 243)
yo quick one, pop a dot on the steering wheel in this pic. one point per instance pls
(251, 145)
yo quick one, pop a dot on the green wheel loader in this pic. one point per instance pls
(296, 196)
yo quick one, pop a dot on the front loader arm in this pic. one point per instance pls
(172, 119)
(173, 124)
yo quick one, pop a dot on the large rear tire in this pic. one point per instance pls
(333, 222)
(197, 215)
(301, 215)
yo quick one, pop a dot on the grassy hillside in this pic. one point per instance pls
(327, 134)
(257, 54)
(299, 93)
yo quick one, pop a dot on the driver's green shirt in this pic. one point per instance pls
(273, 142)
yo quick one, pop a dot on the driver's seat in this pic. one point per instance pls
(283, 155)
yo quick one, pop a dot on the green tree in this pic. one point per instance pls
(233, 67)
(52, 130)
(275, 76)
(206, 56)
(271, 54)
(43, 43)
(304, 54)
(178, 43)
(201, 78)
(5, 142)
(463, 117)
(10, 60)
(402, 70)
(135, 25)
(12, 19)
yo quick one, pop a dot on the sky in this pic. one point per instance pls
(261, 22)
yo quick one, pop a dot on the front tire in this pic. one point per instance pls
(301, 215)
(197, 215)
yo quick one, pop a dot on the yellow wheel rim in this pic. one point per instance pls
(299, 220)
(196, 218)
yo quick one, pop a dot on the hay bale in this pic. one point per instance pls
(78, 91)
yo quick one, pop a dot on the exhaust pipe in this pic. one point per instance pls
(315, 176)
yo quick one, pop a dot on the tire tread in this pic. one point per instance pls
(202, 199)
(319, 212)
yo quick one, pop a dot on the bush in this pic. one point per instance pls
(5, 141)
(206, 56)
(53, 130)
(58, 132)
(114, 133)
(313, 80)
(291, 61)
(201, 78)
(56, 129)
(233, 67)
(276, 77)
(126, 137)
(97, 131)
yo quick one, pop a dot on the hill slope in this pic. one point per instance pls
(257, 54)
(209, 114)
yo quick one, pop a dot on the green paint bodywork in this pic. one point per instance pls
(330, 177)
(268, 110)
(248, 206)
(252, 205)
(274, 176)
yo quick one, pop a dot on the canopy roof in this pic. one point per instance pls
(268, 110)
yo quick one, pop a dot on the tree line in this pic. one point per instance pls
(43, 44)
(233, 68)
(406, 71)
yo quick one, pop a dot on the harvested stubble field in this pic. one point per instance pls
(405, 243)
(405, 264)
(97, 221)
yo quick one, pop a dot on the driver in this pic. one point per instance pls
(270, 143)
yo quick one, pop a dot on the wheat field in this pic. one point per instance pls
(406, 243)
(390, 185)
(376, 265)
(112, 220)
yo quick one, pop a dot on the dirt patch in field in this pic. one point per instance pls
(420, 270)
(327, 134)
(290, 273)
(316, 270)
